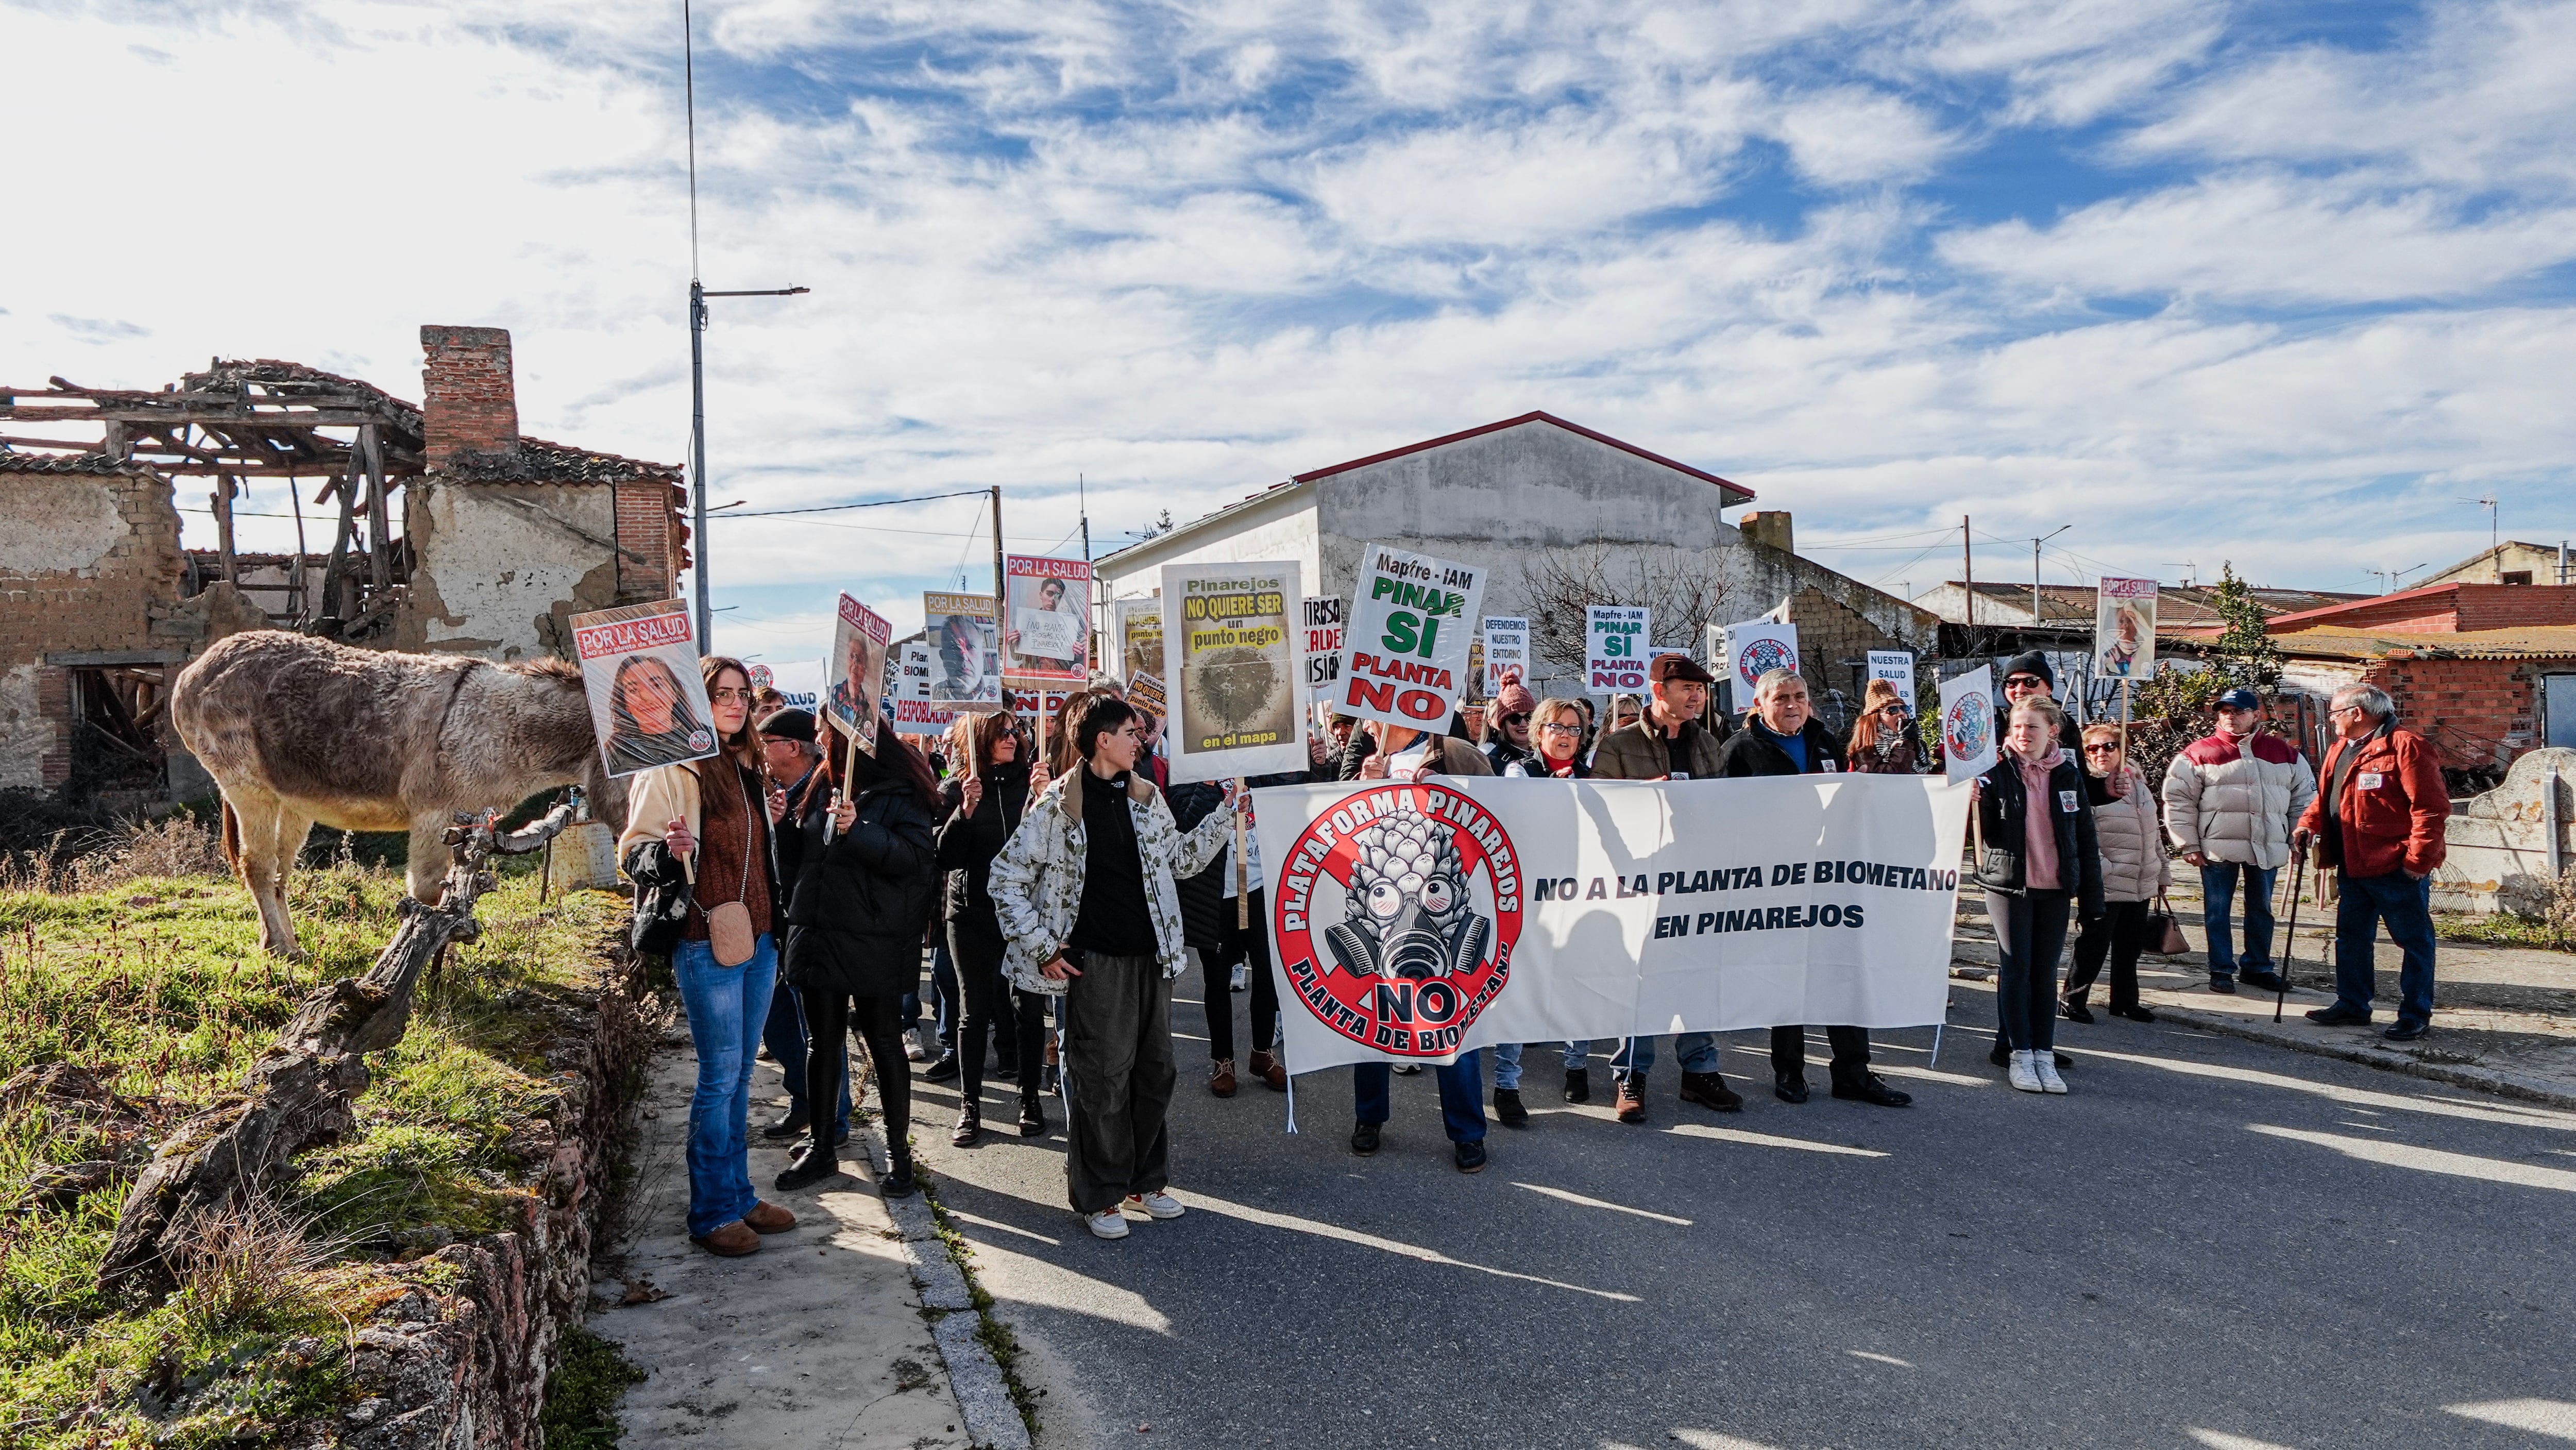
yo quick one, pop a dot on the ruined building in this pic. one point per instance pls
(447, 531)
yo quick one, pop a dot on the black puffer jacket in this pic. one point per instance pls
(863, 900)
(1754, 750)
(2002, 807)
(968, 843)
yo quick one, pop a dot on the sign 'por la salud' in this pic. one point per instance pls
(1405, 662)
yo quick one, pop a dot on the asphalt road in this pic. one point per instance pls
(2208, 1242)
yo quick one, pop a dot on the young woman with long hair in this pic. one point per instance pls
(860, 910)
(1883, 740)
(698, 835)
(987, 792)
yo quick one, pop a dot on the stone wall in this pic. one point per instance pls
(89, 563)
(2496, 844)
(499, 568)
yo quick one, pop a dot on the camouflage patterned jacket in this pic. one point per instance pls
(1036, 882)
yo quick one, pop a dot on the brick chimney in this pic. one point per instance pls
(469, 404)
(1770, 528)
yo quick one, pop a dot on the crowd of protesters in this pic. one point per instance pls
(1060, 891)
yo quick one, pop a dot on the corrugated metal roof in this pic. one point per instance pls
(2547, 641)
(96, 464)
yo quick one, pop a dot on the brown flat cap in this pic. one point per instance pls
(1677, 666)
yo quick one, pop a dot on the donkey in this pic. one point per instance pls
(298, 730)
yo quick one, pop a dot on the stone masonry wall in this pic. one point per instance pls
(89, 562)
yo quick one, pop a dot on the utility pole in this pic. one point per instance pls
(1968, 572)
(2034, 570)
(2495, 534)
(997, 559)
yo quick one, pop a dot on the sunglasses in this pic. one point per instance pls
(1521, 719)
(2102, 749)
(2023, 682)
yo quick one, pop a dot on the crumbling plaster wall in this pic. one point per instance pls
(88, 563)
(499, 568)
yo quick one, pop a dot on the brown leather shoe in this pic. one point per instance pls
(769, 1218)
(730, 1241)
(1632, 1100)
(1267, 1067)
(1221, 1078)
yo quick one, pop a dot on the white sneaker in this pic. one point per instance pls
(1242, 978)
(1109, 1223)
(2023, 1074)
(2043, 1061)
(1157, 1205)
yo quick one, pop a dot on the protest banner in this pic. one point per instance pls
(648, 703)
(799, 683)
(1614, 649)
(1755, 647)
(1506, 651)
(965, 656)
(914, 714)
(1139, 631)
(1406, 661)
(1145, 692)
(856, 680)
(1046, 613)
(1322, 618)
(2124, 629)
(1416, 921)
(1896, 666)
(1969, 734)
(1229, 651)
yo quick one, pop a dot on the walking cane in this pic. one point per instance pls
(2290, 947)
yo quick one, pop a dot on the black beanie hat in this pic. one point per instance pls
(2031, 662)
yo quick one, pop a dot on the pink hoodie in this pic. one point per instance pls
(2039, 820)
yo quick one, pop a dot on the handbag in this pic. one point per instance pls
(2164, 934)
(729, 933)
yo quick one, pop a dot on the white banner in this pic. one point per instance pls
(1414, 922)
(1230, 651)
(1506, 651)
(1896, 666)
(1969, 730)
(1406, 663)
(1322, 642)
(2124, 629)
(1614, 649)
(1757, 646)
(913, 712)
(798, 682)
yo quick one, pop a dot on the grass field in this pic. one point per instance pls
(157, 985)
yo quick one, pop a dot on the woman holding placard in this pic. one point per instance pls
(979, 808)
(705, 824)
(2040, 863)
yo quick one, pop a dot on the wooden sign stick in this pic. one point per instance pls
(1242, 891)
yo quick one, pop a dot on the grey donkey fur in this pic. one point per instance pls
(298, 730)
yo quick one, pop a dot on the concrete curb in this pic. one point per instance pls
(992, 1418)
(2485, 1079)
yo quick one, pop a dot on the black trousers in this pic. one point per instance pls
(1251, 945)
(1851, 1052)
(2119, 933)
(2030, 935)
(1118, 1076)
(975, 945)
(829, 1016)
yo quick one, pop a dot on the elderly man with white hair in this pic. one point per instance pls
(2378, 820)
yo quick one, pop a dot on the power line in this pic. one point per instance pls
(827, 508)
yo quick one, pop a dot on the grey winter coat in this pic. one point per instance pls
(2134, 864)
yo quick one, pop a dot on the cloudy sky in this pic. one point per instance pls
(2280, 283)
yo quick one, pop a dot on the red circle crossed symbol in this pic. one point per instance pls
(1409, 955)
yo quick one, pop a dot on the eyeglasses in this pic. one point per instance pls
(1559, 727)
(2105, 748)
(742, 695)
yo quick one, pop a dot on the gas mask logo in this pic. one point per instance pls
(1429, 908)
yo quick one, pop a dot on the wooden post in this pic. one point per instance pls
(223, 501)
(379, 529)
(1242, 871)
(2124, 722)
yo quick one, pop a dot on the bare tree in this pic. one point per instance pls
(1686, 589)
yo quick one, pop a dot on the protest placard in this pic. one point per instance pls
(1046, 614)
(1757, 646)
(1322, 618)
(1506, 651)
(1406, 660)
(1969, 737)
(914, 714)
(2124, 629)
(1229, 651)
(1140, 636)
(648, 703)
(1614, 649)
(1413, 922)
(965, 652)
(1896, 666)
(1145, 692)
(857, 678)
(799, 683)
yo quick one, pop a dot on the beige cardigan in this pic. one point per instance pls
(657, 797)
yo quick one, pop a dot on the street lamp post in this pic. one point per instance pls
(698, 295)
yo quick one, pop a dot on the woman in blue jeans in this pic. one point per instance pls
(697, 845)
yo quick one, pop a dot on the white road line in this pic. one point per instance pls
(1599, 1203)
(1766, 1140)
(1294, 1224)
(2430, 1160)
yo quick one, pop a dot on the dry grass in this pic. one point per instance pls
(175, 845)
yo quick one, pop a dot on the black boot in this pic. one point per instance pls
(1032, 1117)
(1578, 1085)
(786, 1127)
(812, 1164)
(942, 1070)
(1508, 1108)
(898, 1184)
(970, 1126)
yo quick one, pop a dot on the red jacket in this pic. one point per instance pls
(2393, 805)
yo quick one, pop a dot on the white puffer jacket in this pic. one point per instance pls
(2134, 864)
(2236, 800)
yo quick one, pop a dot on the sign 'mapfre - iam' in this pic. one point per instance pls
(1614, 649)
(1406, 663)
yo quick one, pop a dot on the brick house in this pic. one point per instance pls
(499, 539)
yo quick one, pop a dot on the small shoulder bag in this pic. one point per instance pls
(729, 933)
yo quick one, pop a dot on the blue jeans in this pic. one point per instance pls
(784, 1035)
(1462, 1095)
(727, 1007)
(1507, 1062)
(2407, 907)
(2218, 893)
(1636, 1055)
